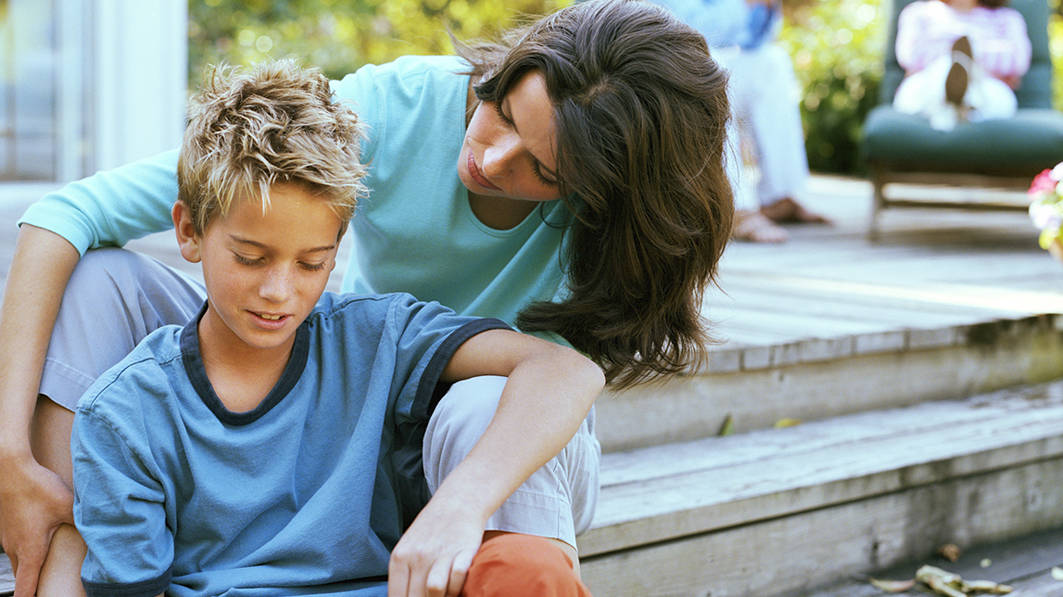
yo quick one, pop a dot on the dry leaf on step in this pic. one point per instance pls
(950, 551)
(893, 586)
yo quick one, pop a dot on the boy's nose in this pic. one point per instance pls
(277, 285)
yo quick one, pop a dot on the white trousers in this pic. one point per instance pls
(923, 93)
(116, 297)
(764, 98)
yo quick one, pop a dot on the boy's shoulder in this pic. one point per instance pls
(364, 310)
(143, 370)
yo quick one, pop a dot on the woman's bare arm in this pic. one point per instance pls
(34, 501)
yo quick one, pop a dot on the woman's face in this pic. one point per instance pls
(509, 147)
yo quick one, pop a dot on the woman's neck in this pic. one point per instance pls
(500, 213)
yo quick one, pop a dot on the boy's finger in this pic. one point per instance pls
(459, 571)
(436, 580)
(398, 578)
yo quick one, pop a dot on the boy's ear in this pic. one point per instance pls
(187, 239)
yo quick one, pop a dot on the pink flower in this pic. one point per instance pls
(1042, 182)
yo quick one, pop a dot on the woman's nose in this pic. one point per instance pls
(499, 158)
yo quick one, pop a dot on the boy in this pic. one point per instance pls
(272, 445)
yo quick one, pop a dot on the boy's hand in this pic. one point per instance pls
(435, 553)
(34, 501)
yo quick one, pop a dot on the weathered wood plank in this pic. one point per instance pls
(794, 554)
(1025, 563)
(664, 492)
(7, 577)
(692, 407)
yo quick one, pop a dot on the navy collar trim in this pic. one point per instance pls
(197, 374)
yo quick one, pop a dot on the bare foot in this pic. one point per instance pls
(786, 210)
(754, 227)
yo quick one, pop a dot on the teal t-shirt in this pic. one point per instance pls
(415, 232)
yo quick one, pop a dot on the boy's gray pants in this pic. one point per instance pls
(117, 297)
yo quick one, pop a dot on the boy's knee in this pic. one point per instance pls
(516, 565)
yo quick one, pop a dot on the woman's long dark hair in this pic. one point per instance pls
(641, 111)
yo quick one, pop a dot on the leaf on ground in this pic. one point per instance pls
(986, 586)
(787, 422)
(1057, 573)
(985, 563)
(950, 551)
(728, 426)
(893, 586)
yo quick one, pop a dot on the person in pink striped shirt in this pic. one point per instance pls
(963, 59)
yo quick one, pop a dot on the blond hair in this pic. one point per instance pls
(249, 129)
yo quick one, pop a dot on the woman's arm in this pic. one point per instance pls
(549, 391)
(1006, 55)
(34, 501)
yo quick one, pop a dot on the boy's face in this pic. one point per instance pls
(264, 272)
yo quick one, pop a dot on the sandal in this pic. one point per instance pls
(753, 226)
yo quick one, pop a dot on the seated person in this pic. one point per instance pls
(272, 445)
(963, 60)
(763, 92)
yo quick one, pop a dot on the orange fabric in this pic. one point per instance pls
(514, 565)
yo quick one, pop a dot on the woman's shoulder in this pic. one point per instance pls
(405, 74)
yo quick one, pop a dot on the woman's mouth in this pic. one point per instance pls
(478, 176)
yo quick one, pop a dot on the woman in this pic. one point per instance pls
(963, 60)
(589, 204)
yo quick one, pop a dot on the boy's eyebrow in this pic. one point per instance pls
(255, 243)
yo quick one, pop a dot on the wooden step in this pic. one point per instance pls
(1025, 564)
(820, 377)
(771, 511)
(7, 578)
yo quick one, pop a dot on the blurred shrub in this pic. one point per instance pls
(837, 48)
(1055, 46)
(341, 35)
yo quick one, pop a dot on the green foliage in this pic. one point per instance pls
(341, 35)
(1055, 46)
(837, 47)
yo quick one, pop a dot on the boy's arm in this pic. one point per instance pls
(548, 393)
(119, 508)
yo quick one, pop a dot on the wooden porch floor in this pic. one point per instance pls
(931, 270)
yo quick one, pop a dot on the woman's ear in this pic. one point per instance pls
(187, 239)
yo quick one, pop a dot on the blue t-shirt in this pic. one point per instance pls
(414, 233)
(304, 495)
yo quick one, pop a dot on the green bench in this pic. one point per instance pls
(1002, 153)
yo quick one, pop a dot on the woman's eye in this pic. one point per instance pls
(542, 177)
(501, 114)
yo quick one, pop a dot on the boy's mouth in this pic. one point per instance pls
(270, 319)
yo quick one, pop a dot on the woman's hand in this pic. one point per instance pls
(34, 501)
(434, 555)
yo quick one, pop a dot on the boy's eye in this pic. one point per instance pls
(312, 267)
(247, 260)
